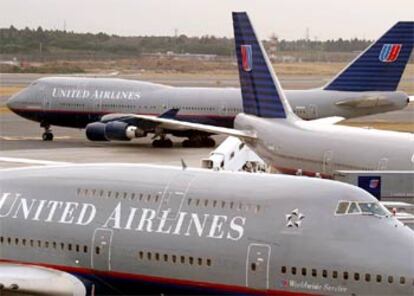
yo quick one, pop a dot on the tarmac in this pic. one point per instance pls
(20, 138)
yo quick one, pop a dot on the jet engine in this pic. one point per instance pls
(113, 131)
(96, 131)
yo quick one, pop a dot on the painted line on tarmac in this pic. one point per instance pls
(31, 161)
(18, 138)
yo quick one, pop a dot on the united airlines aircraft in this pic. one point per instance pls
(136, 229)
(271, 128)
(104, 106)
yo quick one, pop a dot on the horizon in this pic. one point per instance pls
(320, 19)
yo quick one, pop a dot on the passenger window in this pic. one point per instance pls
(390, 279)
(356, 276)
(208, 262)
(324, 273)
(335, 274)
(293, 270)
(304, 271)
(342, 207)
(253, 266)
(345, 275)
(354, 209)
(283, 269)
(402, 280)
(314, 273)
(379, 278)
(367, 277)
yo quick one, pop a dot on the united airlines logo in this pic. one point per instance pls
(389, 52)
(373, 184)
(247, 57)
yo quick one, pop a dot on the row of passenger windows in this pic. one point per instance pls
(43, 244)
(342, 275)
(239, 206)
(172, 258)
(146, 197)
(132, 107)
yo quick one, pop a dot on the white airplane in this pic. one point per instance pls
(270, 127)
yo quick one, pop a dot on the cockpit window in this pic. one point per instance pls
(373, 208)
(342, 207)
(361, 208)
(354, 209)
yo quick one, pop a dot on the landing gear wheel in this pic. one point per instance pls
(47, 136)
(167, 143)
(163, 143)
(209, 142)
(186, 144)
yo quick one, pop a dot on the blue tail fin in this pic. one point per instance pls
(378, 68)
(261, 91)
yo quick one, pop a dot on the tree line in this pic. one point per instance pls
(28, 40)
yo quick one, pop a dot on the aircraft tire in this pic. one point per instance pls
(209, 142)
(187, 144)
(156, 143)
(47, 136)
(162, 143)
(167, 143)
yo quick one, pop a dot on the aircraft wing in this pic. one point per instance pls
(19, 279)
(173, 124)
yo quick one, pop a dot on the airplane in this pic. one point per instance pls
(283, 140)
(118, 229)
(103, 105)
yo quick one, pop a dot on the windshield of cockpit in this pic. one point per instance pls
(361, 208)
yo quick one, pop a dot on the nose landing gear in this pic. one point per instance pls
(47, 135)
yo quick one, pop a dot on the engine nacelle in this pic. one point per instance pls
(119, 131)
(96, 131)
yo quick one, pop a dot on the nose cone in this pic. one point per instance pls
(11, 102)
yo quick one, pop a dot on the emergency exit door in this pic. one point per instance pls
(257, 267)
(174, 194)
(101, 249)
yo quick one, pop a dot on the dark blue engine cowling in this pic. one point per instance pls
(116, 131)
(96, 131)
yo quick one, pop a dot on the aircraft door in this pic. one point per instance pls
(46, 102)
(257, 266)
(327, 167)
(382, 164)
(312, 111)
(174, 194)
(101, 249)
(223, 108)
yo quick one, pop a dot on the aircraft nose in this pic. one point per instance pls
(11, 102)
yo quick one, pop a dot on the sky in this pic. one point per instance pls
(288, 19)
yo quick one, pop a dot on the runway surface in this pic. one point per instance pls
(21, 138)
